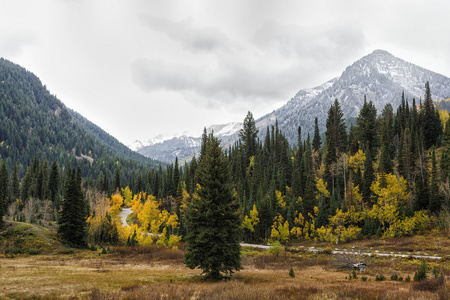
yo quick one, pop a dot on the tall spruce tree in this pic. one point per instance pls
(213, 220)
(430, 122)
(4, 190)
(367, 131)
(435, 201)
(72, 220)
(53, 184)
(336, 141)
(248, 135)
(117, 179)
(15, 184)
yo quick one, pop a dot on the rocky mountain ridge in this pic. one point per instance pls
(380, 76)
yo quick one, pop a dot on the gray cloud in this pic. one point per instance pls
(270, 67)
(310, 45)
(12, 44)
(190, 37)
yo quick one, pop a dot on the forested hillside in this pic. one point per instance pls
(36, 127)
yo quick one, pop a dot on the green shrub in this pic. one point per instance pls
(408, 278)
(435, 272)
(421, 273)
(380, 277)
(68, 251)
(14, 250)
(431, 285)
(291, 273)
(364, 278)
(394, 277)
(275, 248)
(34, 251)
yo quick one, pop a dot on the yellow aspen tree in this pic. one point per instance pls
(127, 196)
(280, 229)
(148, 213)
(357, 161)
(391, 198)
(299, 223)
(250, 222)
(280, 199)
(116, 202)
(136, 203)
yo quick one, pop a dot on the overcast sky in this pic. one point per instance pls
(141, 68)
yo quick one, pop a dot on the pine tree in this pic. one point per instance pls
(117, 179)
(4, 190)
(435, 201)
(336, 141)
(316, 139)
(367, 131)
(430, 121)
(248, 135)
(175, 177)
(15, 184)
(72, 220)
(368, 176)
(316, 145)
(53, 184)
(213, 221)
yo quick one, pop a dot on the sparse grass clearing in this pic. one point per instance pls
(159, 273)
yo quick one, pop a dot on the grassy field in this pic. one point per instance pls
(159, 273)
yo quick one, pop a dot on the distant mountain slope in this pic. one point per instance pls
(380, 76)
(185, 147)
(34, 122)
(108, 140)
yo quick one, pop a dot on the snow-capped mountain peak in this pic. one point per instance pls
(380, 76)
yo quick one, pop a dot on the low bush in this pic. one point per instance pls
(291, 273)
(34, 251)
(380, 277)
(430, 285)
(68, 251)
(14, 250)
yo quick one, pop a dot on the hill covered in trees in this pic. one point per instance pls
(34, 124)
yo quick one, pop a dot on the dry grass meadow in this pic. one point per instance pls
(159, 273)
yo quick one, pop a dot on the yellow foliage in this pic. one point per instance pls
(116, 202)
(322, 188)
(443, 116)
(280, 199)
(127, 196)
(250, 223)
(173, 239)
(156, 221)
(316, 212)
(136, 203)
(391, 198)
(280, 230)
(357, 161)
(297, 230)
(326, 234)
